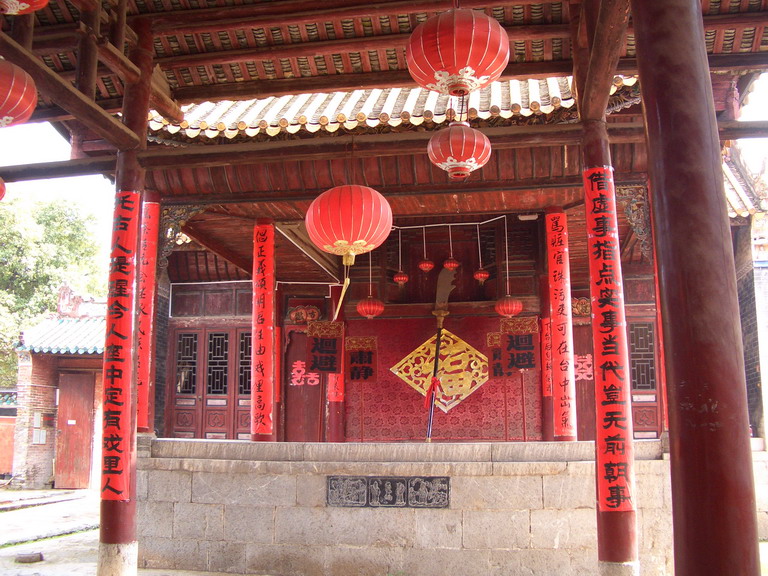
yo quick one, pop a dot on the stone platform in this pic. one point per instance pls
(265, 508)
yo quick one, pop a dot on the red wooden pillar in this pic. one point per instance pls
(264, 345)
(147, 286)
(118, 548)
(547, 422)
(614, 454)
(559, 279)
(335, 420)
(714, 518)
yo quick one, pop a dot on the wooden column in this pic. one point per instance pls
(713, 499)
(147, 295)
(559, 280)
(614, 454)
(547, 418)
(118, 548)
(335, 392)
(264, 344)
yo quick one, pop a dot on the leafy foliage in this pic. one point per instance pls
(42, 248)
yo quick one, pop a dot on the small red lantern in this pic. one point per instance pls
(349, 220)
(451, 263)
(481, 275)
(370, 307)
(459, 150)
(457, 52)
(401, 278)
(508, 306)
(15, 7)
(426, 265)
(18, 94)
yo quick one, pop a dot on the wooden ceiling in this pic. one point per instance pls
(237, 50)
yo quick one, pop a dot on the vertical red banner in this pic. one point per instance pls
(559, 281)
(263, 329)
(150, 226)
(117, 430)
(546, 357)
(613, 441)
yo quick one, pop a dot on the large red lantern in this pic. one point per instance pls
(15, 7)
(459, 150)
(508, 306)
(349, 220)
(457, 52)
(18, 94)
(370, 307)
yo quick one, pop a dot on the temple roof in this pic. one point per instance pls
(65, 336)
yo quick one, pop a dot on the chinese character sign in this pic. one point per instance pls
(546, 347)
(150, 226)
(263, 329)
(613, 443)
(559, 280)
(324, 346)
(117, 431)
(362, 360)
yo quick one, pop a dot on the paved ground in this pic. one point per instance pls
(63, 526)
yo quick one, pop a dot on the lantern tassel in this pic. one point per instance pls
(341, 298)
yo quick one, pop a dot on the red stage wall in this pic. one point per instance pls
(391, 411)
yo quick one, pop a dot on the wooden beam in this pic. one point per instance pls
(85, 110)
(605, 49)
(195, 232)
(374, 145)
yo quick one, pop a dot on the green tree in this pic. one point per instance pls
(44, 246)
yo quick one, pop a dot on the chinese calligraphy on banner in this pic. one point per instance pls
(559, 272)
(118, 347)
(515, 348)
(615, 459)
(263, 329)
(546, 360)
(150, 225)
(324, 346)
(362, 359)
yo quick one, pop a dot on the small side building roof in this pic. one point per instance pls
(65, 336)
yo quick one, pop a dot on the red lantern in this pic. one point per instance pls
(370, 307)
(508, 306)
(459, 150)
(401, 278)
(451, 263)
(15, 7)
(349, 220)
(2, 188)
(426, 265)
(481, 275)
(457, 52)
(18, 94)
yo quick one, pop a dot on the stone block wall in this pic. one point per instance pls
(258, 508)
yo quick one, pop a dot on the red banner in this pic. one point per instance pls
(263, 329)
(362, 359)
(150, 226)
(613, 442)
(117, 430)
(325, 341)
(559, 280)
(546, 357)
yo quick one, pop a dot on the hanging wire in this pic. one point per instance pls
(399, 249)
(450, 240)
(506, 256)
(424, 237)
(370, 275)
(479, 251)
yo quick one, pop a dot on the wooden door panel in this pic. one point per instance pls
(304, 393)
(74, 431)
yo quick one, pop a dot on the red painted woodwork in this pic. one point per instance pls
(74, 430)
(459, 150)
(457, 51)
(150, 228)
(18, 94)
(507, 408)
(585, 382)
(349, 220)
(304, 391)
